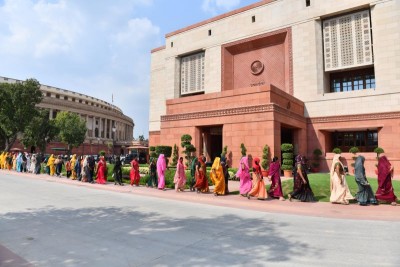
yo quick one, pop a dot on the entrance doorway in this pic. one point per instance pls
(286, 136)
(211, 142)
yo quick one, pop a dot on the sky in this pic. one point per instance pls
(96, 47)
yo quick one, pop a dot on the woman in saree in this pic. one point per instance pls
(73, 162)
(161, 168)
(217, 177)
(340, 192)
(51, 164)
(134, 173)
(301, 186)
(224, 165)
(152, 174)
(385, 191)
(193, 167)
(259, 185)
(275, 190)
(364, 195)
(117, 171)
(244, 175)
(201, 185)
(101, 171)
(180, 176)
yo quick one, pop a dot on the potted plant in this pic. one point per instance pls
(337, 150)
(316, 159)
(354, 150)
(378, 151)
(287, 162)
(265, 162)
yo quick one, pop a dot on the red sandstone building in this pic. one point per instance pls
(317, 74)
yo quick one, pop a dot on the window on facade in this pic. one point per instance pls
(347, 41)
(366, 141)
(308, 2)
(73, 99)
(65, 97)
(80, 100)
(192, 74)
(48, 94)
(58, 96)
(253, 19)
(352, 80)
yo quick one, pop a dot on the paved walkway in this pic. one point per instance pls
(318, 209)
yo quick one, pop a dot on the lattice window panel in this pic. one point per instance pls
(347, 41)
(192, 74)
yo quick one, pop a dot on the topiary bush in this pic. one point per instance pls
(287, 156)
(379, 151)
(243, 150)
(337, 150)
(265, 162)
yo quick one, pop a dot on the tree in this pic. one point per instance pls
(17, 108)
(175, 155)
(243, 150)
(141, 138)
(186, 140)
(40, 131)
(72, 129)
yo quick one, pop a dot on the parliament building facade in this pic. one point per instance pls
(317, 74)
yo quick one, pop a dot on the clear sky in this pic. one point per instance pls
(96, 47)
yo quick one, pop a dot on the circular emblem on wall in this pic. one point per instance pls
(257, 67)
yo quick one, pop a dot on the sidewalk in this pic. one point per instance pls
(318, 209)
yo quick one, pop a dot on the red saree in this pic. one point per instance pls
(385, 188)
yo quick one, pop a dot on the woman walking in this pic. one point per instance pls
(217, 177)
(244, 175)
(340, 192)
(73, 163)
(101, 171)
(180, 176)
(134, 173)
(117, 171)
(161, 168)
(385, 191)
(258, 190)
(201, 185)
(152, 174)
(301, 186)
(364, 195)
(275, 190)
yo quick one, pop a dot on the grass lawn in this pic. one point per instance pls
(321, 186)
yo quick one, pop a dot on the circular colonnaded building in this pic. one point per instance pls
(108, 128)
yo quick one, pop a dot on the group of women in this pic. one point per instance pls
(254, 186)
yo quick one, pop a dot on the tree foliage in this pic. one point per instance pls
(186, 140)
(175, 155)
(72, 129)
(40, 131)
(17, 108)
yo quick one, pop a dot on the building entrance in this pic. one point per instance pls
(212, 142)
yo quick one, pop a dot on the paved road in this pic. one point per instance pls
(55, 224)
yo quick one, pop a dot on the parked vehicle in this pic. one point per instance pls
(129, 157)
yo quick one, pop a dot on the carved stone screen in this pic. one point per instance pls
(192, 74)
(347, 41)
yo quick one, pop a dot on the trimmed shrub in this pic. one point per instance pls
(337, 150)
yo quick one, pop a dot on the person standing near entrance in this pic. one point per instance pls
(244, 175)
